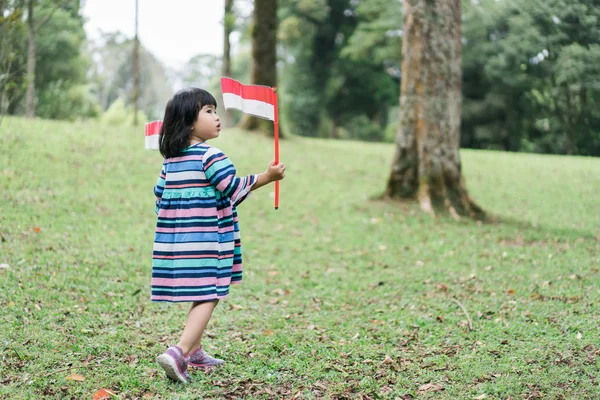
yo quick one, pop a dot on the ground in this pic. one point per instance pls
(344, 297)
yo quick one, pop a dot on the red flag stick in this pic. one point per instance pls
(276, 127)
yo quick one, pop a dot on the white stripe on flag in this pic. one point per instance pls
(152, 142)
(254, 107)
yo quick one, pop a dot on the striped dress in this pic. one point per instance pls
(197, 248)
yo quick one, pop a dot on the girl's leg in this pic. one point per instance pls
(197, 320)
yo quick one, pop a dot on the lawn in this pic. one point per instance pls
(344, 297)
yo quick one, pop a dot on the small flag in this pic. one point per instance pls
(255, 100)
(152, 134)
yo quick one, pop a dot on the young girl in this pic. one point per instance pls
(197, 249)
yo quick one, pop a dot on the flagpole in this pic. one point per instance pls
(276, 127)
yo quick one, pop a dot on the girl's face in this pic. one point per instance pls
(207, 125)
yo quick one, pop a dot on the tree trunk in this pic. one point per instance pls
(136, 67)
(30, 96)
(427, 164)
(228, 26)
(263, 69)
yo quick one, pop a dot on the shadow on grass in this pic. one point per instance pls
(524, 227)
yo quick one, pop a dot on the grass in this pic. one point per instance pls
(343, 297)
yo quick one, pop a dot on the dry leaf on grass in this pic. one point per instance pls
(103, 394)
(431, 387)
(387, 360)
(75, 377)
(442, 287)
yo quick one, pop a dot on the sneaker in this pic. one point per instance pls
(174, 364)
(200, 359)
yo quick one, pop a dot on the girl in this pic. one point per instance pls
(197, 249)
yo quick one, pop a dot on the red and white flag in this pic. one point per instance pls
(152, 134)
(251, 99)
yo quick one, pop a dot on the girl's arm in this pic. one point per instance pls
(272, 174)
(221, 173)
(159, 188)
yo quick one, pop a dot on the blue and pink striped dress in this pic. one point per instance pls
(197, 248)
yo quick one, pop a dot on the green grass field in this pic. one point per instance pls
(343, 297)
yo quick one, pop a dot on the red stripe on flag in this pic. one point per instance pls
(248, 92)
(153, 128)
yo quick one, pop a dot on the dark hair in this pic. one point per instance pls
(181, 113)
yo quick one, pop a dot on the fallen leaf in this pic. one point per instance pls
(382, 247)
(510, 291)
(131, 360)
(480, 397)
(386, 390)
(310, 327)
(431, 387)
(37, 229)
(75, 377)
(440, 318)
(387, 360)
(442, 287)
(269, 332)
(103, 394)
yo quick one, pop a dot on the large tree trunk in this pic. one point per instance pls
(427, 163)
(263, 69)
(30, 99)
(228, 26)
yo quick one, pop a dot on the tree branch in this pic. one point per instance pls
(302, 14)
(49, 16)
(465, 312)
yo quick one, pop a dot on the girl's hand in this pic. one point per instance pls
(275, 172)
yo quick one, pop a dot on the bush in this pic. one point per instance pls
(362, 128)
(121, 115)
(58, 101)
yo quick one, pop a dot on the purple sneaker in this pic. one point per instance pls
(174, 364)
(200, 359)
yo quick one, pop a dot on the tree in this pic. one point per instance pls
(30, 98)
(263, 69)
(339, 80)
(112, 76)
(427, 163)
(136, 66)
(531, 79)
(32, 29)
(12, 54)
(228, 26)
